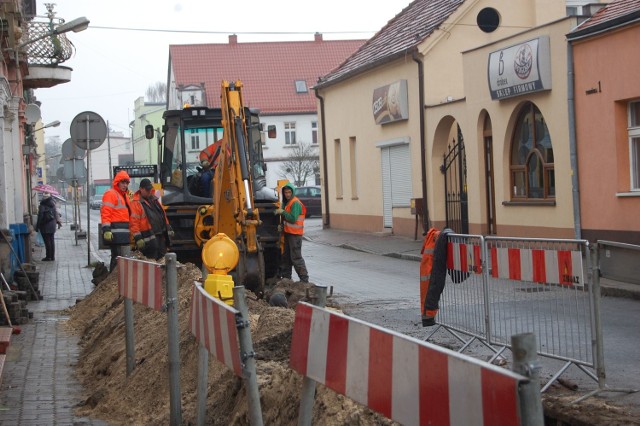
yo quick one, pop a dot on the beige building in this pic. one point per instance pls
(463, 104)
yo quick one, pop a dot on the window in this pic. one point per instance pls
(290, 133)
(314, 132)
(488, 20)
(353, 168)
(634, 144)
(532, 170)
(301, 86)
(195, 139)
(337, 152)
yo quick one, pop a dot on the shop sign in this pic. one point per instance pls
(523, 68)
(390, 102)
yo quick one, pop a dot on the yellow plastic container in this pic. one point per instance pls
(221, 287)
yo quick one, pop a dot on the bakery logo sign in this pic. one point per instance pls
(520, 69)
(390, 102)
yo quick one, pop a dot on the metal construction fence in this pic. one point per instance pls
(499, 286)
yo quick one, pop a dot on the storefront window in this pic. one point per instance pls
(532, 173)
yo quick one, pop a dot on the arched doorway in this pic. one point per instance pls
(454, 169)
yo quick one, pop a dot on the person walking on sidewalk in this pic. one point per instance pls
(47, 222)
(114, 214)
(149, 224)
(293, 216)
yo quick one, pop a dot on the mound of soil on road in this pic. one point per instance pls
(143, 398)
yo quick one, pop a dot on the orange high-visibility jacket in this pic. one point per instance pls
(140, 225)
(211, 154)
(115, 211)
(426, 266)
(296, 227)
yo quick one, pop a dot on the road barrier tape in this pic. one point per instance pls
(562, 267)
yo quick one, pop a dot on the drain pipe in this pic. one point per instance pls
(573, 148)
(325, 187)
(426, 222)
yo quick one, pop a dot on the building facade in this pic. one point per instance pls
(607, 105)
(283, 93)
(461, 116)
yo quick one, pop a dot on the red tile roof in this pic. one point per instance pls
(410, 27)
(267, 70)
(614, 11)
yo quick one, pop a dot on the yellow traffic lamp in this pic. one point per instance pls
(220, 255)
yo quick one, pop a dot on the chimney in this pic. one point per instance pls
(233, 39)
(317, 37)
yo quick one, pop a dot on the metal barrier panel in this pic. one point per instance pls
(538, 286)
(140, 281)
(404, 379)
(463, 300)
(213, 323)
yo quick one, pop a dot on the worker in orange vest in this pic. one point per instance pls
(114, 216)
(293, 216)
(149, 224)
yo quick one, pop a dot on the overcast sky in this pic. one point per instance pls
(113, 67)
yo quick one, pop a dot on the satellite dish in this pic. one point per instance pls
(32, 113)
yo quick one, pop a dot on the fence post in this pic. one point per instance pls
(308, 394)
(203, 373)
(248, 357)
(595, 292)
(129, 339)
(525, 362)
(174, 340)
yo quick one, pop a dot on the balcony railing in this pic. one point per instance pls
(50, 50)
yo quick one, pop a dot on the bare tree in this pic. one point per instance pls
(157, 93)
(303, 162)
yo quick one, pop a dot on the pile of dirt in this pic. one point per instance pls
(143, 397)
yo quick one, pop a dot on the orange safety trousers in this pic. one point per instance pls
(426, 266)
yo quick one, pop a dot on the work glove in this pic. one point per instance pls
(278, 211)
(108, 236)
(140, 244)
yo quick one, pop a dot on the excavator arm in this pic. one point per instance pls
(234, 212)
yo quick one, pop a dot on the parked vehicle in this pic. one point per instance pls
(96, 202)
(311, 197)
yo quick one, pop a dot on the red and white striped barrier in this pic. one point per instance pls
(464, 257)
(213, 323)
(535, 265)
(409, 381)
(140, 281)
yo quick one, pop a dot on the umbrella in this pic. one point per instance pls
(59, 198)
(46, 188)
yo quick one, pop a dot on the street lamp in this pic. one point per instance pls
(75, 25)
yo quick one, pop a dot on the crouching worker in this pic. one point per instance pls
(149, 223)
(114, 216)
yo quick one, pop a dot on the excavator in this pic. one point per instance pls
(239, 204)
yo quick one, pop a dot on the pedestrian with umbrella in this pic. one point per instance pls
(47, 223)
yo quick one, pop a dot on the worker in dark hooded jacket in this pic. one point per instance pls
(149, 224)
(115, 213)
(293, 216)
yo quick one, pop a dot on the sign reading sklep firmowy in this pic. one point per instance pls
(523, 68)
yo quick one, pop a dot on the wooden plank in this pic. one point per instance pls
(5, 338)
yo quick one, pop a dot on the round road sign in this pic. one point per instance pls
(71, 151)
(88, 130)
